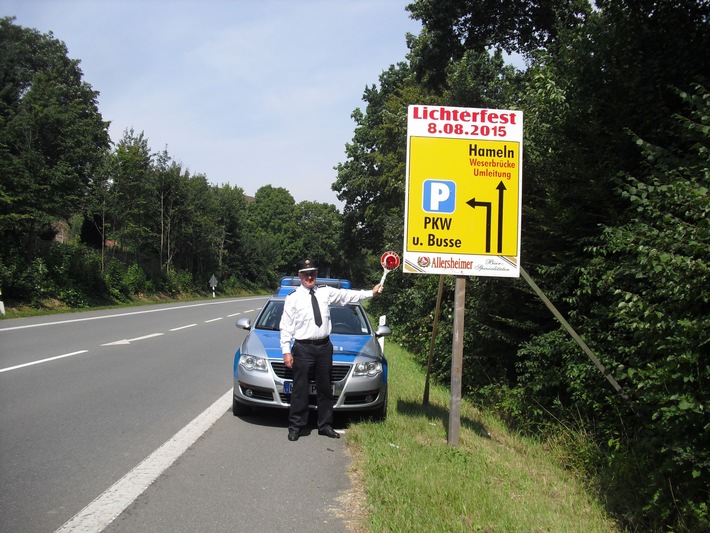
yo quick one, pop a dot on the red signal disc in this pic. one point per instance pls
(390, 260)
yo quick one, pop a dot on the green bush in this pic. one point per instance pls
(66, 272)
(73, 298)
(114, 273)
(135, 280)
(37, 282)
(178, 281)
(240, 284)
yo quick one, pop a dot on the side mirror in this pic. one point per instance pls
(383, 331)
(244, 323)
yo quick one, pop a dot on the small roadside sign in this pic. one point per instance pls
(463, 191)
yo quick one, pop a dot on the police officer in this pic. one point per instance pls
(305, 323)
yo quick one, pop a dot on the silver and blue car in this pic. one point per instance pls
(359, 376)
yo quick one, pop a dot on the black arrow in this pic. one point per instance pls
(473, 203)
(500, 188)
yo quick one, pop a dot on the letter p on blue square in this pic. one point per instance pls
(439, 196)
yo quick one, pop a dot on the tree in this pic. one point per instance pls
(321, 230)
(133, 185)
(645, 299)
(99, 207)
(170, 193)
(231, 225)
(483, 80)
(193, 228)
(51, 134)
(452, 28)
(275, 244)
(371, 181)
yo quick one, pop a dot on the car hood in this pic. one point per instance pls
(346, 348)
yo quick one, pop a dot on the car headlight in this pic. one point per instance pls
(251, 362)
(369, 368)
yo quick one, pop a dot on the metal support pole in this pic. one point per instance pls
(574, 334)
(425, 401)
(457, 361)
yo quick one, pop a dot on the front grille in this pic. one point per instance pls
(312, 399)
(281, 370)
(340, 372)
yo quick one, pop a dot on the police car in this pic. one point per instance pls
(359, 378)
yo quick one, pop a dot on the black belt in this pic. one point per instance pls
(317, 342)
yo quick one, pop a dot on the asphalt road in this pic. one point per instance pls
(121, 421)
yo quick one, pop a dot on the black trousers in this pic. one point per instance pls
(320, 359)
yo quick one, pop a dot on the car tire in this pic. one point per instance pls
(239, 409)
(380, 414)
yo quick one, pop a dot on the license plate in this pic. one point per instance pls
(312, 389)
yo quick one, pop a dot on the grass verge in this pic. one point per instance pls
(406, 477)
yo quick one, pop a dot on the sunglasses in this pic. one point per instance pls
(309, 274)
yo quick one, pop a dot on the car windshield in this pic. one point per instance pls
(346, 320)
(270, 316)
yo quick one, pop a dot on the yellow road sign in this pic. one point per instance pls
(463, 192)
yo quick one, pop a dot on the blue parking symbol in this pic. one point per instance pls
(439, 196)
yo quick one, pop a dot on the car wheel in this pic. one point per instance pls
(239, 409)
(380, 414)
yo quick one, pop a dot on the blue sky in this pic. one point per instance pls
(246, 92)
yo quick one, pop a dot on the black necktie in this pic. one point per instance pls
(316, 309)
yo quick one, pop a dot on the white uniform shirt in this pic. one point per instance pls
(297, 319)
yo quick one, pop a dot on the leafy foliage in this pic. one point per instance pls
(645, 294)
(320, 231)
(453, 28)
(616, 236)
(68, 273)
(51, 134)
(371, 181)
(272, 225)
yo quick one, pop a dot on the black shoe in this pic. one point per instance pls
(329, 432)
(293, 433)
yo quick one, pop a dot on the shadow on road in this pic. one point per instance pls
(278, 418)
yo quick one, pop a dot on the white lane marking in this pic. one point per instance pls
(104, 509)
(41, 361)
(118, 315)
(116, 343)
(184, 327)
(129, 341)
(144, 337)
(213, 320)
(243, 312)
